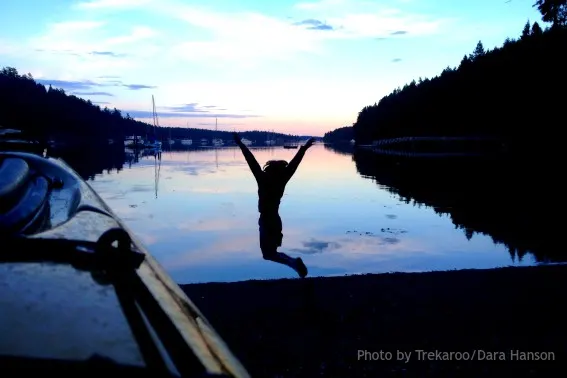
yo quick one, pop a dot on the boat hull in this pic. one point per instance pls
(81, 314)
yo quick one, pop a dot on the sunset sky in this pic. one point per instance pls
(289, 66)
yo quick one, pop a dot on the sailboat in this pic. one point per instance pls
(270, 142)
(133, 141)
(187, 142)
(170, 140)
(217, 142)
(152, 142)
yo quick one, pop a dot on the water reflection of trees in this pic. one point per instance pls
(508, 199)
(92, 160)
(88, 161)
(341, 148)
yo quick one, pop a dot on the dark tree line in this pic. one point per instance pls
(45, 113)
(515, 93)
(340, 135)
(51, 113)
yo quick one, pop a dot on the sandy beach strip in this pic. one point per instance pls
(452, 323)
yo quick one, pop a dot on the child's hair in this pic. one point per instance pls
(275, 166)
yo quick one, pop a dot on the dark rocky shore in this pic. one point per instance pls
(346, 326)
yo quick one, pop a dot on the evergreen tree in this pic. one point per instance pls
(554, 11)
(478, 51)
(536, 29)
(527, 30)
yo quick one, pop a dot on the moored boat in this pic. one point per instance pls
(217, 142)
(153, 144)
(81, 292)
(133, 140)
(246, 142)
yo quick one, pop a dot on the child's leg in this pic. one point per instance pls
(294, 263)
(270, 239)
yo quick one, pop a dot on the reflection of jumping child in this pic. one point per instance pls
(271, 185)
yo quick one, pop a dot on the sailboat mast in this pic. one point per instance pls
(155, 118)
(153, 111)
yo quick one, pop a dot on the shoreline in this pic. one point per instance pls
(346, 326)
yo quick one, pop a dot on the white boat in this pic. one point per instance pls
(151, 151)
(186, 142)
(290, 146)
(217, 142)
(153, 144)
(133, 139)
(270, 142)
(246, 142)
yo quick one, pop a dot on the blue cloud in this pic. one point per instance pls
(92, 94)
(193, 108)
(211, 107)
(399, 32)
(212, 124)
(321, 27)
(136, 87)
(107, 53)
(90, 85)
(169, 114)
(396, 60)
(313, 24)
(69, 85)
(309, 21)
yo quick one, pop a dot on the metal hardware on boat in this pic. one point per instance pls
(120, 257)
(89, 256)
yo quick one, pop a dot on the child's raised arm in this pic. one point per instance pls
(250, 159)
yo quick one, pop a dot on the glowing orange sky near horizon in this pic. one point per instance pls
(290, 126)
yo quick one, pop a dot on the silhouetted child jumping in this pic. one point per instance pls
(271, 185)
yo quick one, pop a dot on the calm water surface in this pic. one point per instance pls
(196, 211)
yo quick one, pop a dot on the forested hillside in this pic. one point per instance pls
(515, 92)
(51, 113)
(342, 134)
